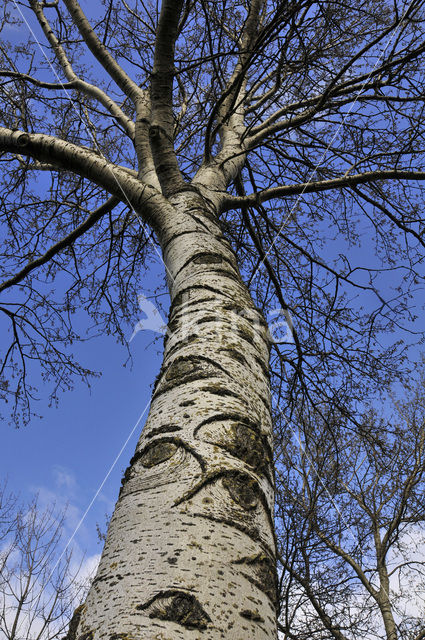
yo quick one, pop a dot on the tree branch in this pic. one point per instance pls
(118, 181)
(94, 216)
(77, 83)
(24, 77)
(232, 202)
(162, 129)
(117, 73)
(349, 560)
(326, 620)
(399, 223)
(320, 102)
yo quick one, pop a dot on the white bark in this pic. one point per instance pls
(77, 83)
(115, 179)
(190, 550)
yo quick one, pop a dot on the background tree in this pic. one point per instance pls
(273, 152)
(39, 586)
(351, 526)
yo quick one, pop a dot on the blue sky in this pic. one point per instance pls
(65, 455)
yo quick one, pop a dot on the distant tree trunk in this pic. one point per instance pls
(388, 618)
(190, 549)
(383, 595)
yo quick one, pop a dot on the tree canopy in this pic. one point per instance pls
(320, 105)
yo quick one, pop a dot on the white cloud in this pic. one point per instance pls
(88, 568)
(65, 480)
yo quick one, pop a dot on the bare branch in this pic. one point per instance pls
(117, 73)
(162, 128)
(76, 82)
(65, 155)
(231, 202)
(94, 216)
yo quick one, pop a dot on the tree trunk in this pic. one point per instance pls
(388, 618)
(190, 550)
(384, 602)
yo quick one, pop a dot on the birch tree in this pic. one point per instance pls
(252, 145)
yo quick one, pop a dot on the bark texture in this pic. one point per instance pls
(190, 551)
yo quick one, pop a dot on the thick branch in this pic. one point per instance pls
(233, 202)
(231, 113)
(76, 82)
(116, 180)
(162, 130)
(108, 62)
(229, 110)
(146, 165)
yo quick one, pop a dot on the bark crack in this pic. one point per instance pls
(177, 606)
